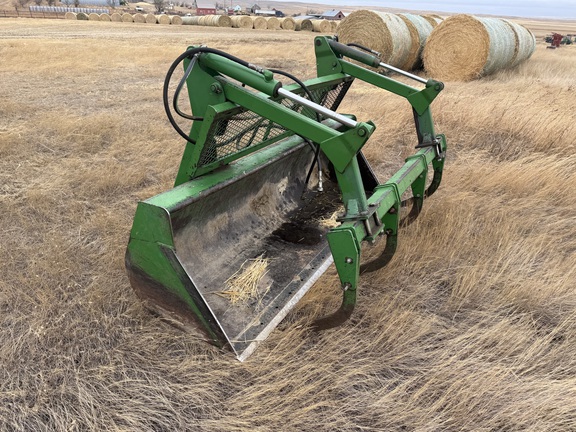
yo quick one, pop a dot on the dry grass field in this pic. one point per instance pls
(472, 327)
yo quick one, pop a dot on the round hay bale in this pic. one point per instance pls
(127, 17)
(386, 33)
(303, 25)
(81, 16)
(272, 23)
(432, 19)
(163, 19)
(194, 20)
(368, 29)
(259, 23)
(221, 21)
(436, 16)
(139, 18)
(175, 20)
(150, 18)
(105, 17)
(321, 26)
(287, 23)
(525, 43)
(116, 17)
(464, 47)
(93, 17)
(333, 26)
(70, 16)
(420, 29)
(241, 21)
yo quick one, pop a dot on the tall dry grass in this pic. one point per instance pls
(472, 327)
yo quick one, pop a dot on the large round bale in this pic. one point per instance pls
(525, 43)
(139, 18)
(241, 21)
(287, 23)
(126, 17)
(386, 33)
(150, 18)
(193, 20)
(321, 26)
(334, 26)
(420, 29)
(220, 21)
(272, 23)
(464, 47)
(303, 25)
(259, 23)
(434, 20)
(116, 17)
(175, 20)
(70, 16)
(163, 19)
(93, 17)
(81, 16)
(105, 17)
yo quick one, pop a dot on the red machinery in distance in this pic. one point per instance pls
(556, 40)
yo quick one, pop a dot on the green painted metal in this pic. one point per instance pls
(271, 130)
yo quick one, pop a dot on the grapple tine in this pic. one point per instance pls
(340, 316)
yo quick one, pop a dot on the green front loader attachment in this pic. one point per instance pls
(265, 169)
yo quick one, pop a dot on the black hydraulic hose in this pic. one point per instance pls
(189, 54)
(177, 94)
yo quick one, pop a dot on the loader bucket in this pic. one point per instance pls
(186, 243)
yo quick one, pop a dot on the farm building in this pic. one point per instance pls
(333, 15)
(204, 7)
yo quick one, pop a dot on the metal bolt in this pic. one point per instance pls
(346, 286)
(361, 132)
(216, 88)
(348, 260)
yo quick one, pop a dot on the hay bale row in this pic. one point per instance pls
(464, 47)
(126, 17)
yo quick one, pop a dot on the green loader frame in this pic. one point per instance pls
(240, 190)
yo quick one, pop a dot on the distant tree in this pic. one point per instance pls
(19, 4)
(76, 3)
(159, 5)
(112, 3)
(67, 2)
(38, 2)
(51, 2)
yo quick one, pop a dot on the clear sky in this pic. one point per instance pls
(522, 8)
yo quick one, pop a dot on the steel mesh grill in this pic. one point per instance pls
(242, 128)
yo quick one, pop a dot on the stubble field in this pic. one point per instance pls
(472, 327)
